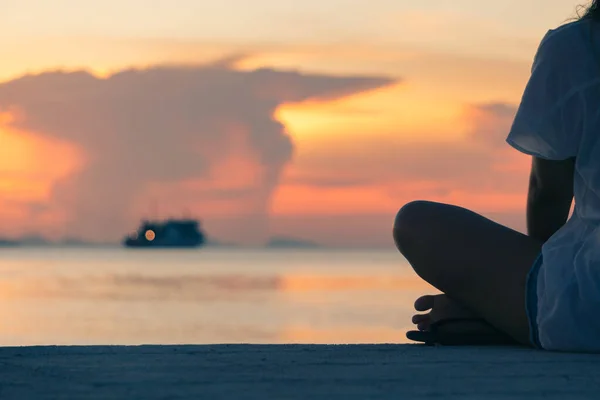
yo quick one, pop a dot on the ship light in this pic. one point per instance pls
(150, 235)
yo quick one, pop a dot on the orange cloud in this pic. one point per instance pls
(30, 166)
(399, 112)
(150, 135)
(300, 200)
(31, 161)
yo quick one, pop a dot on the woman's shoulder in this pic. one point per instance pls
(572, 38)
(572, 27)
(573, 50)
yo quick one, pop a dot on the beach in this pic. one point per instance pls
(295, 372)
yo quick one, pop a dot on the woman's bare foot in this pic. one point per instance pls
(442, 307)
(449, 323)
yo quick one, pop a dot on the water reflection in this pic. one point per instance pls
(191, 287)
(350, 334)
(80, 297)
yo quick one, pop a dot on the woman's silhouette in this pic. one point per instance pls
(500, 286)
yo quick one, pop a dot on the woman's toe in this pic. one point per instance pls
(424, 326)
(423, 321)
(418, 318)
(424, 303)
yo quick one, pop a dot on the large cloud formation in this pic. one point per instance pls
(194, 137)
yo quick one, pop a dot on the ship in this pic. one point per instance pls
(176, 233)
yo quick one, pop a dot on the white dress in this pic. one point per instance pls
(559, 118)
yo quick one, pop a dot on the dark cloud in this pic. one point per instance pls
(491, 123)
(164, 125)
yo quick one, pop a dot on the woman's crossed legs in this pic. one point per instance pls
(481, 266)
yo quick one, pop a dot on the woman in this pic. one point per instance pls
(500, 286)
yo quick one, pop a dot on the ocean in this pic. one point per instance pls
(115, 296)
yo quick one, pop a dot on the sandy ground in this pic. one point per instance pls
(295, 372)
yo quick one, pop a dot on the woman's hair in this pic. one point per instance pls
(592, 11)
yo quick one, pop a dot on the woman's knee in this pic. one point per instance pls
(410, 225)
(415, 234)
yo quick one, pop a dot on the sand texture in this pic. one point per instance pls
(295, 372)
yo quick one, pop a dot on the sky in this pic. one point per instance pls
(314, 120)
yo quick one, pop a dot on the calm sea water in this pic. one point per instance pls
(120, 296)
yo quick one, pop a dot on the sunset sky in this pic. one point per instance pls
(312, 119)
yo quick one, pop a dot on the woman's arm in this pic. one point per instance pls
(550, 196)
